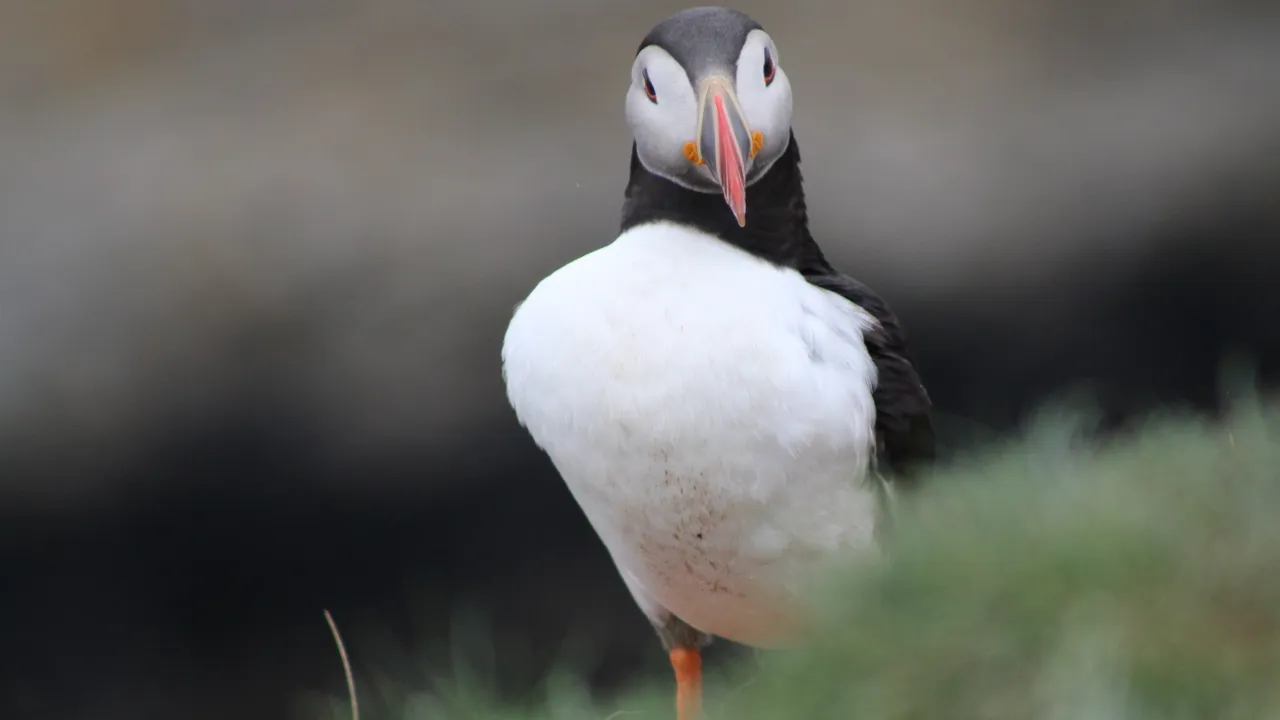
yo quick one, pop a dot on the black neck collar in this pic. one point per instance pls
(777, 219)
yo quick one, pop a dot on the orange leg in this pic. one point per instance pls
(687, 663)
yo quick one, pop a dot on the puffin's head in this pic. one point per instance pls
(709, 105)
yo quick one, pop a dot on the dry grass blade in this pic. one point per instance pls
(346, 666)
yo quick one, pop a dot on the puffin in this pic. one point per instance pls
(726, 407)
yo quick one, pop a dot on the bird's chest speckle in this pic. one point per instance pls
(682, 533)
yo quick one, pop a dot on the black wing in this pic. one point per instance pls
(904, 428)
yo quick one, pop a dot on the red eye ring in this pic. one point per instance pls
(648, 87)
(770, 69)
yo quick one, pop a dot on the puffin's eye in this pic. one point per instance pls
(648, 87)
(769, 68)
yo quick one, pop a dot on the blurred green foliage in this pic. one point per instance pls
(1050, 578)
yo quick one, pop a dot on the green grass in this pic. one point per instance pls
(1049, 579)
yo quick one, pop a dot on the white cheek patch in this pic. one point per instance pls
(767, 107)
(661, 129)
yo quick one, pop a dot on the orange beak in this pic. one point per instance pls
(725, 142)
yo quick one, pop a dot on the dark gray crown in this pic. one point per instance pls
(703, 39)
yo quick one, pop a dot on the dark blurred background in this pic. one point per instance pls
(256, 260)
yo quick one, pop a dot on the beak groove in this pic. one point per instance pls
(725, 142)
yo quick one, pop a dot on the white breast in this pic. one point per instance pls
(709, 411)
